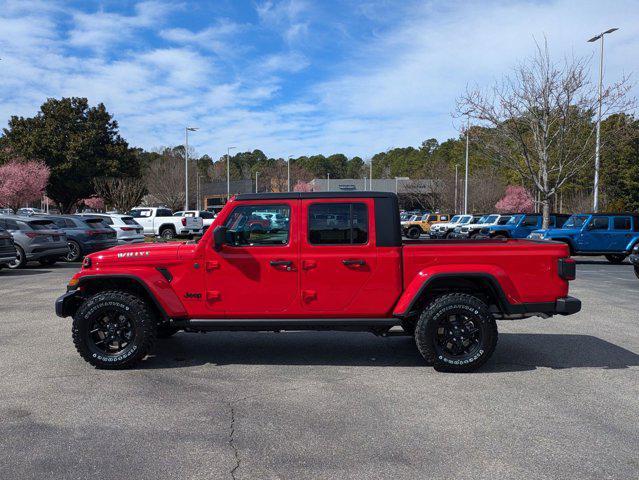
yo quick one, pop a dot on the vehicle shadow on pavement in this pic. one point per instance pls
(38, 270)
(515, 351)
(528, 351)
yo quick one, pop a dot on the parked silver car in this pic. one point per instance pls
(128, 230)
(35, 239)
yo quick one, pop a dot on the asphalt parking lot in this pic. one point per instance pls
(559, 399)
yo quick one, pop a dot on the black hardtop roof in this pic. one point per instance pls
(312, 195)
(610, 214)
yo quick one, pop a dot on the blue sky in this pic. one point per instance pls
(290, 77)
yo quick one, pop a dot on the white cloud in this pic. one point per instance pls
(216, 38)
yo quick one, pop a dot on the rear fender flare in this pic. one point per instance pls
(500, 285)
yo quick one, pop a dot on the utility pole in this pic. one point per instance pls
(256, 173)
(455, 209)
(186, 165)
(288, 172)
(370, 182)
(228, 173)
(601, 60)
(466, 172)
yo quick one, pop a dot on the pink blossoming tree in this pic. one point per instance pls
(22, 182)
(301, 186)
(94, 203)
(516, 200)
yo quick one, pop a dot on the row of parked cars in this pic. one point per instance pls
(31, 235)
(613, 235)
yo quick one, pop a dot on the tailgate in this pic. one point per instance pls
(194, 223)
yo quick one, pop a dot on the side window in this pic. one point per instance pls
(621, 223)
(255, 225)
(443, 218)
(599, 223)
(530, 221)
(337, 223)
(163, 212)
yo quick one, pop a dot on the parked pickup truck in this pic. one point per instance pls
(160, 221)
(613, 235)
(338, 264)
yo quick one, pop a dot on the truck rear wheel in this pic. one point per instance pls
(113, 330)
(456, 333)
(615, 258)
(167, 233)
(413, 233)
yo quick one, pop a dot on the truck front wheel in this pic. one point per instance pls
(113, 330)
(413, 233)
(456, 333)
(167, 233)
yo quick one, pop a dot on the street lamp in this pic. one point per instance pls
(596, 182)
(228, 173)
(328, 182)
(288, 172)
(186, 165)
(256, 173)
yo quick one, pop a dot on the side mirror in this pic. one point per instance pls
(219, 237)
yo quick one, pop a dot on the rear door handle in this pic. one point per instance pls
(358, 262)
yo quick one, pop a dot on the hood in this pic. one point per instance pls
(141, 253)
(560, 232)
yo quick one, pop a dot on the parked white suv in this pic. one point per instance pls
(128, 230)
(444, 229)
(160, 221)
(471, 230)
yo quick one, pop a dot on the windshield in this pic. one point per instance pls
(514, 220)
(465, 220)
(490, 219)
(576, 221)
(504, 220)
(455, 219)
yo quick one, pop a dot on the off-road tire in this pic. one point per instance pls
(438, 310)
(166, 331)
(616, 258)
(75, 252)
(413, 233)
(167, 233)
(21, 259)
(114, 301)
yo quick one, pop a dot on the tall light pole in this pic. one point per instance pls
(256, 173)
(455, 208)
(186, 165)
(328, 182)
(466, 172)
(288, 172)
(601, 60)
(228, 173)
(370, 181)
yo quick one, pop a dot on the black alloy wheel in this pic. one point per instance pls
(75, 252)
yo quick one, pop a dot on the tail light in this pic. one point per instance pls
(184, 221)
(128, 229)
(567, 268)
(32, 234)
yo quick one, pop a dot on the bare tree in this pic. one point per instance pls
(541, 120)
(165, 180)
(122, 194)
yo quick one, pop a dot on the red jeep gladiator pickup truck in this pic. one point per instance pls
(323, 261)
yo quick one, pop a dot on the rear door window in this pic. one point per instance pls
(337, 224)
(621, 223)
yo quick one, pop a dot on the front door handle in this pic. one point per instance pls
(282, 263)
(351, 262)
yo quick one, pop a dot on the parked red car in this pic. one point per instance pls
(338, 263)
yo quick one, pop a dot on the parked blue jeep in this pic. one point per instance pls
(613, 235)
(521, 225)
